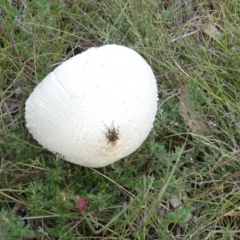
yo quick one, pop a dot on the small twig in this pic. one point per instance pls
(43, 233)
(185, 35)
(8, 113)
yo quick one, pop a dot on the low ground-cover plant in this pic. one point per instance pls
(183, 183)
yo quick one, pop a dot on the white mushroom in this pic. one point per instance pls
(95, 108)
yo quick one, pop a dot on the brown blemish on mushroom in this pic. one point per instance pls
(112, 134)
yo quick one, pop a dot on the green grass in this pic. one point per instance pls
(130, 199)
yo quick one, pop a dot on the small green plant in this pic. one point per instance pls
(14, 228)
(192, 153)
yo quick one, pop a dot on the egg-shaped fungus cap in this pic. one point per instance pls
(95, 108)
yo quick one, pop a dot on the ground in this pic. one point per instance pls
(183, 183)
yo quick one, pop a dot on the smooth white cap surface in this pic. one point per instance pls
(70, 111)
